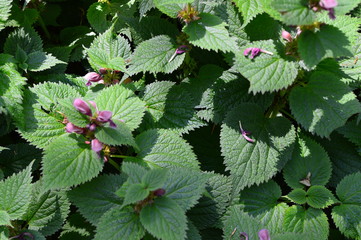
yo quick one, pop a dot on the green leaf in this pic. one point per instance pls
(72, 115)
(135, 193)
(145, 6)
(210, 33)
(295, 12)
(5, 7)
(20, 55)
(170, 7)
(26, 38)
(47, 210)
(107, 47)
(134, 171)
(311, 221)
(345, 6)
(154, 56)
(121, 135)
(266, 73)
(249, 9)
(39, 61)
(192, 232)
(185, 186)
(4, 233)
(123, 103)
(164, 219)
(117, 63)
(327, 42)
(99, 194)
(352, 131)
(97, 16)
(329, 103)
(164, 148)
(118, 224)
(69, 161)
(15, 192)
(171, 107)
(347, 215)
(155, 179)
(298, 196)
(4, 219)
(308, 158)
(76, 227)
(320, 197)
(262, 203)
(259, 161)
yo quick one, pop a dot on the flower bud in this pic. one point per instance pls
(82, 107)
(263, 234)
(92, 77)
(92, 127)
(71, 128)
(287, 36)
(159, 192)
(327, 4)
(96, 145)
(103, 71)
(104, 116)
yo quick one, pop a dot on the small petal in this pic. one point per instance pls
(159, 192)
(327, 4)
(181, 49)
(112, 124)
(263, 234)
(71, 128)
(96, 145)
(287, 36)
(247, 51)
(82, 107)
(92, 127)
(104, 116)
(103, 71)
(244, 134)
(92, 77)
(243, 236)
(255, 52)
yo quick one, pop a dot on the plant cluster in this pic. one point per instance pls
(180, 119)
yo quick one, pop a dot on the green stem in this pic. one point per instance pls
(287, 114)
(43, 26)
(112, 162)
(119, 156)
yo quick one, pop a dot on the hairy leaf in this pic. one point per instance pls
(320, 197)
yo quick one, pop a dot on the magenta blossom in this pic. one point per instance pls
(287, 36)
(96, 145)
(159, 192)
(103, 116)
(245, 133)
(329, 6)
(92, 77)
(243, 236)
(71, 128)
(254, 52)
(82, 107)
(263, 234)
(181, 49)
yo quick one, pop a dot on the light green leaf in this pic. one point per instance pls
(249, 9)
(170, 7)
(121, 135)
(329, 41)
(164, 219)
(298, 196)
(145, 6)
(320, 197)
(39, 61)
(4, 233)
(308, 158)
(118, 63)
(154, 56)
(155, 178)
(295, 12)
(311, 221)
(15, 192)
(97, 16)
(324, 104)
(134, 171)
(99, 194)
(135, 193)
(259, 161)
(347, 215)
(118, 224)
(163, 148)
(345, 6)
(123, 103)
(5, 7)
(266, 73)
(26, 38)
(68, 161)
(4, 219)
(73, 116)
(107, 47)
(210, 33)
(185, 186)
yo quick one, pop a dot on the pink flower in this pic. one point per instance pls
(82, 107)
(104, 116)
(287, 36)
(245, 133)
(181, 49)
(327, 4)
(96, 145)
(159, 192)
(263, 234)
(71, 128)
(243, 236)
(92, 77)
(254, 52)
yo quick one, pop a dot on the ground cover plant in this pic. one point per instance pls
(180, 119)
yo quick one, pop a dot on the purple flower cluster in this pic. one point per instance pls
(263, 234)
(329, 6)
(98, 119)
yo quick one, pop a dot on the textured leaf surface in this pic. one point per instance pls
(118, 224)
(135, 193)
(307, 157)
(39, 61)
(4, 219)
(327, 42)
(170, 7)
(97, 16)
(164, 148)
(154, 179)
(347, 215)
(99, 194)
(324, 104)
(249, 9)
(121, 135)
(311, 221)
(15, 192)
(5, 7)
(345, 6)
(154, 55)
(134, 171)
(185, 186)
(68, 161)
(123, 103)
(164, 219)
(352, 131)
(265, 72)
(295, 12)
(298, 196)
(210, 33)
(259, 161)
(320, 197)
(25, 38)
